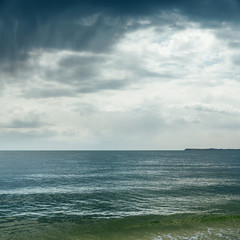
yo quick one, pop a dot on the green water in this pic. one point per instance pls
(179, 226)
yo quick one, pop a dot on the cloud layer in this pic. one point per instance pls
(119, 74)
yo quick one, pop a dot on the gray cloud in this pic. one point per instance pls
(90, 25)
(236, 59)
(214, 117)
(17, 123)
(79, 61)
(88, 87)
(47, 93)
(87, 64)
(234, 44)
(210, 108)
(75, 69)
(28, 122)
(102, 85)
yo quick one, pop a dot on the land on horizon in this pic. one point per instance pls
(209, 149)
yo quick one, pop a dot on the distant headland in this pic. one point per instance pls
(210, 149)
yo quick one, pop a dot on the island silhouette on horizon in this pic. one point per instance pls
(209, 149)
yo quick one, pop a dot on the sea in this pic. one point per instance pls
(119, 195)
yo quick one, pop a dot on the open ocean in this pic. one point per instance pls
(119, 195)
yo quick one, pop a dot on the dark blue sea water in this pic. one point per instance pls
(73, 195)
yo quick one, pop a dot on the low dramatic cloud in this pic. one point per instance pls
(91, 25)
(159, 54)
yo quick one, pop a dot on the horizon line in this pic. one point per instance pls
(109, 150)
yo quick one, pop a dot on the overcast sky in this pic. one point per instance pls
(119, 74)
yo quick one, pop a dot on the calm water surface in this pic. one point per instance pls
(120, 195)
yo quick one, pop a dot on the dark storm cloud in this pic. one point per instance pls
(46, 8)
(20, 37)
(27, 24)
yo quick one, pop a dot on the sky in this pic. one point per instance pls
(119, 74)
